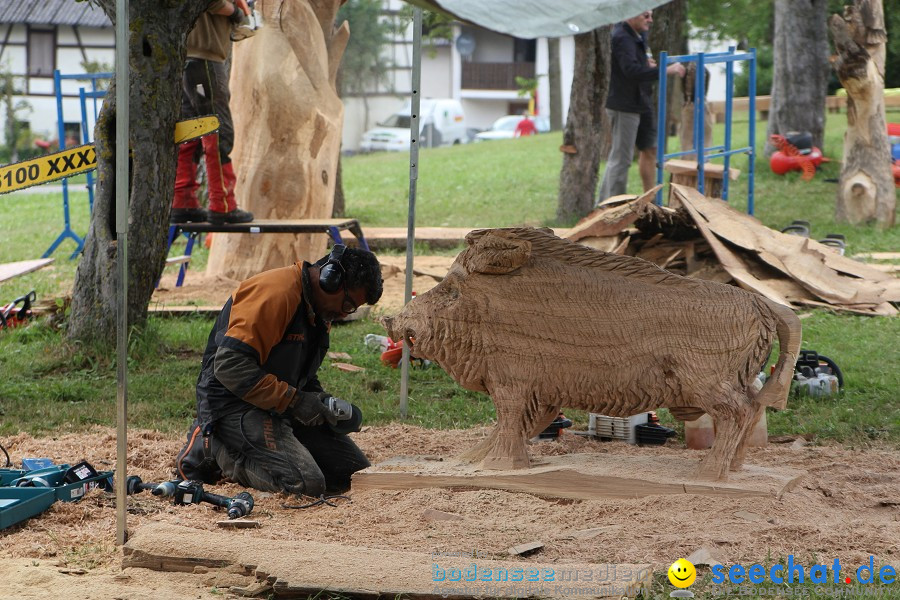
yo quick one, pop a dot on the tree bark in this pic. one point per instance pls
(800, 78)
(866, 189)
(156, 54)
(585, 126)
(554, 80)
(288, 119)
(669, 33)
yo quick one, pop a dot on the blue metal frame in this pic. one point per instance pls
(67, 231)
(725, 150)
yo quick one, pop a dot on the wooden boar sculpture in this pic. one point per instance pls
(539, 323)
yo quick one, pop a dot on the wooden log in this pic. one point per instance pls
(866, 189)
(288, 120)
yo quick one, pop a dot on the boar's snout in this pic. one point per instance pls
(397, 331)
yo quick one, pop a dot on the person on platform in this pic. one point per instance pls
(205, 91)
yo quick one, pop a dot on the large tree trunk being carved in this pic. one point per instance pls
(288, 119)
(585, 125)
(800, 80)
(866, 191)
(156, 58)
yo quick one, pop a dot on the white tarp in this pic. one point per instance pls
(540, 18)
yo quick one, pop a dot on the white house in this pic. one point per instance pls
(478, 68)
(38, 36)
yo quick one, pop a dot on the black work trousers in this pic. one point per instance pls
(276, 454)
(205, 92)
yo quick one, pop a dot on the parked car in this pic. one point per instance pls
(442, 123)
(505, 127)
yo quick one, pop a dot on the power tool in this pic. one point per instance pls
(816, 375)
(191, 492)
(13, 315)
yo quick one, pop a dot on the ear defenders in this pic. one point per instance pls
(331, 274)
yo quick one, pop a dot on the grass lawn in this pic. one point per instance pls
(49, 386)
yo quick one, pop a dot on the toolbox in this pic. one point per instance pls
(20, 503)
(26, 493)
(7, 476)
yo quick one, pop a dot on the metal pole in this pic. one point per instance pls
(751, 155)
(661, 132)
(122, 142)
(413, 179)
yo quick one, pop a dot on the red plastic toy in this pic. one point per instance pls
(788, 158)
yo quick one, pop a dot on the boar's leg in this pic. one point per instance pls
(516, 409)
(477, 452)
(543, 417)
(741, 452)
(733, 414)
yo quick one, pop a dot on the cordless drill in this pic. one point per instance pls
(192, 492)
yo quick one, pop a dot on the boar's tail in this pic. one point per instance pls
(775, 391)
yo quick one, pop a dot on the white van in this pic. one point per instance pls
(442, 122)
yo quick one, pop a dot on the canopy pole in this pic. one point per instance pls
(413, 179)
(122, 144)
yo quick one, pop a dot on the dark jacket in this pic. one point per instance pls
(632, 77)
(267, 343)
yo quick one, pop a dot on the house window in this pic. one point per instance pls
(41, 52)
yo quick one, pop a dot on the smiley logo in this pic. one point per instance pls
(682, 573)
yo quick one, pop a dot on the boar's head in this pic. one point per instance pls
(445, 324)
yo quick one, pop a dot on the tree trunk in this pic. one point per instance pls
(585, 125)
(800, 78)
(156, 54)
(287, 119)
(866, 189)
(669, 33)
(554, 80)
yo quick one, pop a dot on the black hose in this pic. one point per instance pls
(8, 462)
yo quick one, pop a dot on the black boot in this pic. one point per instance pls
(235, 216)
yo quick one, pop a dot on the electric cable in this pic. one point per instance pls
(8, 462)
(322, 499)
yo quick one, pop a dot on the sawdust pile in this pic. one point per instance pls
(847, 507)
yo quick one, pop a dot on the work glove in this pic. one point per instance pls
(311, 409)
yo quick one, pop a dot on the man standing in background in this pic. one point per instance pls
(628, 105)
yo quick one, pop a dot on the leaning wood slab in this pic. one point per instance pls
(581, 476)
(14, 269)
(294, 569)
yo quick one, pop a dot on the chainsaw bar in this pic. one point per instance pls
(81, 159)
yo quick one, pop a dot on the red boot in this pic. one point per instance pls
(185, 206)
(220, 184)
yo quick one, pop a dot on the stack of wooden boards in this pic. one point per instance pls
(708, 239)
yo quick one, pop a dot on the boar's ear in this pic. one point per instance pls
(495, 254)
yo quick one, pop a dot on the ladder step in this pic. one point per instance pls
(176, 260)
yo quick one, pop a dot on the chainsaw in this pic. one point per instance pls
(12, 315)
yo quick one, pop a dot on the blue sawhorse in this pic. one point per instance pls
(332, 227)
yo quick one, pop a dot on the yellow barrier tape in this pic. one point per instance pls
(82, 159)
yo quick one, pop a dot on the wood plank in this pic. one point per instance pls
(810, 263)
(14, 269)
(730, 261)
(177, 260)
(879, 255)
(578, 476)
(294, 568)
(183, 310)
(612, 216)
